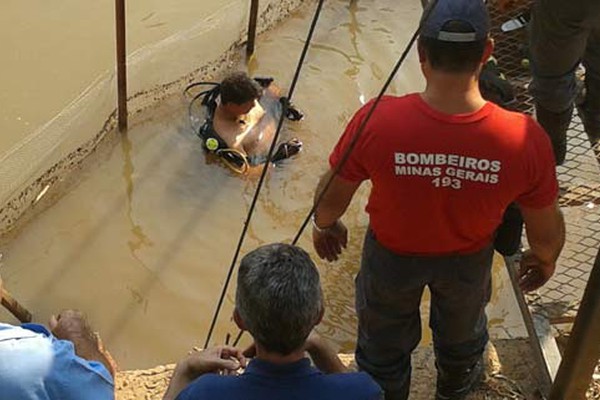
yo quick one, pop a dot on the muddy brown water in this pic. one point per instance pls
(52, 51)
(143, 241)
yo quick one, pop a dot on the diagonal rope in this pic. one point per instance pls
(362, 126)
(285, 103)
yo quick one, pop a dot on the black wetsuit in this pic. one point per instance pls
(214, 143)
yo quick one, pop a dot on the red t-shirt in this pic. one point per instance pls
(441, 182)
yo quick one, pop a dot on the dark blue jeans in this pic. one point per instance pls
(389, 288)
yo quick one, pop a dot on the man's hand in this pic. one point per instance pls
(533, 272)
(545, 229)
(330, 241)
(219, 359)
(72, 325)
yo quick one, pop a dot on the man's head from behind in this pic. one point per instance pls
(278, 298)
(455, 36)
(239, 92)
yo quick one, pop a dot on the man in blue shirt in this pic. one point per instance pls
(279, 301)
(66, 364)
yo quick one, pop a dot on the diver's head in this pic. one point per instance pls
(455, 37)
(239, 93)
(278, 298)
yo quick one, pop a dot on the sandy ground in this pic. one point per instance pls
(510, 375)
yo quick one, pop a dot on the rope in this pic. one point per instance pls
(285, 104)
(362, 126)
(230, 164)
(197, 96)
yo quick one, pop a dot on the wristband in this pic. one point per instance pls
(317, 227)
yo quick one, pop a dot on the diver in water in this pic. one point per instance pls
(241, 120)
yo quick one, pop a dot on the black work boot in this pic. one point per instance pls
(456, 385)
(591, 125)
(401, 394)
(556, 125)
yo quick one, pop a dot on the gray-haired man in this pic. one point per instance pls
(279, 301)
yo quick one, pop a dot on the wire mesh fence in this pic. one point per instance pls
(579, 182)
(579, 178)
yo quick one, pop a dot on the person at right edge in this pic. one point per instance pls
(564, 34)
(444, 164)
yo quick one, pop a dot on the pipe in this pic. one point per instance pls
(252, 27)
(538, 354)
(121, 65)
(583, 349)
(14, 307)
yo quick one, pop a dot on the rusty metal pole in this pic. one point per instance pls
(583, 349)
(14, 307)
(252, 27)
(536, 348)
(121, 65)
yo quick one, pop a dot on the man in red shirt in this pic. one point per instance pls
(444, 165)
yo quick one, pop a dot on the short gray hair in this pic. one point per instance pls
(279, 296)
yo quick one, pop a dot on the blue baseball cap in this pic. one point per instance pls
(471, 13)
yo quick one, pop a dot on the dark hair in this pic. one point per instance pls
(453, 57)
(279, 296)
(239, 88)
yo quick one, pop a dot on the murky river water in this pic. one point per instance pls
(143, 241)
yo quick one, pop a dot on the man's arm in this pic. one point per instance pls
(546, 236)
(329, 233)
(323, 355)
(72, 325)
(506, 5)
(217, 359)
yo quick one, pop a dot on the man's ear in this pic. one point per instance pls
(488, 50)
(237, 318)
(421, 52)
(320, 317)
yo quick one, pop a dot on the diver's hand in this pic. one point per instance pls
(330, 241)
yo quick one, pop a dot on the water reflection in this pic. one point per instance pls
(140, 239)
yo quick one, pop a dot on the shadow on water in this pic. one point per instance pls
(140, 239)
